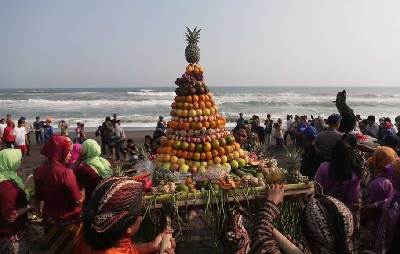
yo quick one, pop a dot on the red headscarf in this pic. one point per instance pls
(56, 148)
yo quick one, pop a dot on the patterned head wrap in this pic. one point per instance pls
(328, 225)
(94, 160)
(56, 148)
(115, 198)
(382, 156)
(10, 160)
(394, 170)
(242, 126)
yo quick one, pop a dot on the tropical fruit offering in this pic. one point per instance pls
(197, 137)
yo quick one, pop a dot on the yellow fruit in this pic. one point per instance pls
(217, 160)
(207, 147)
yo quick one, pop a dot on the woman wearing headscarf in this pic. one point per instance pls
(57, 187)
(388, 236)
(379, 191)
(14, 206)
(76, 149)
(90, 168)
(112, 216)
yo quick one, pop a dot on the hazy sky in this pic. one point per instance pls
(141, 43)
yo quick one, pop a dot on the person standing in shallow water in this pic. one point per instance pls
(241, 119)
(38, 126)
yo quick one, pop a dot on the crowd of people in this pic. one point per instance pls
(359, 168)
(88, 210)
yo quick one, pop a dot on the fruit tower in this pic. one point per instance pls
(196, 133)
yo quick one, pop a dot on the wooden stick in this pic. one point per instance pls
(284, 244)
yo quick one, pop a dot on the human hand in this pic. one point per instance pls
(274, 193)
(158, 240)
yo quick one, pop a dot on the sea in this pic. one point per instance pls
(140, 107)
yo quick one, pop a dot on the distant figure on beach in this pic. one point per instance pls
(241, 119)
(48, 130)
(63, 126)
(82, 134)
(3, 125)
(161, 125)
(8, 136)
(268, 129)
(28, 129)
(278, 134)
(115, 116)
(77, 132)
(38, 126)
(289, 129)
(21, 139)
(348, 118)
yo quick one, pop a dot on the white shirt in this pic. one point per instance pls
(288, 124)
(2, 127)
(19, 133)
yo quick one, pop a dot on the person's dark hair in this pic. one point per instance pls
(242, 126)
(82, 125)
(334, 222)
(20, 121)
(108, 119)
(129, 140)
(342, 163)
(158, 133)
(147, 137)
(109, 238)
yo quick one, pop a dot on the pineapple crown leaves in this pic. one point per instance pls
(292, 155)
(192, 37)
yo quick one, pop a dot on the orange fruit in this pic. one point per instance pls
(195, 98)
(206, 125)
(173, 152)
(185, 105)
(185, 154)
(196, 156)
(188, 98)
(213, 124)
(186, 126)
(237, 146)
(188, 181)
(202, 105)
(193, 125)
(195, 105)
(190, 106)
(203, 156)
(221, 151)
(171, 142)
(214, 153)
(196, 71)
(207, 104)
(159, 150)
(206, 97)
(212, 111)
(179, 153)
(201, 69)
(199, 125)
(217, 160)
(167, 150)
(209, 156)
(202, 97)
(189, 68)
(180, 125)
(192, 147)
(190, 156)
(207, 147)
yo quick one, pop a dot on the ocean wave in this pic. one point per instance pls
(152, 93)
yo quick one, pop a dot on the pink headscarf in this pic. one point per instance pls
(74, 154)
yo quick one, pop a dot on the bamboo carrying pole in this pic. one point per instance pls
(284, 244)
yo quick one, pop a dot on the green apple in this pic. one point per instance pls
(197, 164)
(241, 162)
(184, 168)
(167, 165)
(234, 164)
(177, 144)
(201, 169)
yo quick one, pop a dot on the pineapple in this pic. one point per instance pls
(293, 174)
(192, 51)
